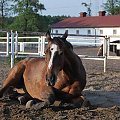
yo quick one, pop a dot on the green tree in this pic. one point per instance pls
(27, 11)
(112, 7)
(54, 19)
(4, 8)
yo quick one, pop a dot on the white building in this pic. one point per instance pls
(89, 25)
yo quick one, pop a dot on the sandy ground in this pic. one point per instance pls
(102, 90)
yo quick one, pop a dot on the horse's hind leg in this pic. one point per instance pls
(14, 78)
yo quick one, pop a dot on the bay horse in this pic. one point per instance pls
(59, 76)
(113, 48)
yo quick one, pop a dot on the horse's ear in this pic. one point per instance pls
(48, 36)
(65, 34)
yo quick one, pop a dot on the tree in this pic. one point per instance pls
(4, 8)
(27, 11)
(37, 23)
(112, 7)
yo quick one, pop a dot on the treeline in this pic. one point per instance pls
(25, 15)
(37, 23)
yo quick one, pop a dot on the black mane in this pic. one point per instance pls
(60, 41)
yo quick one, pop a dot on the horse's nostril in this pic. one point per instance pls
(47, 80)
(50, 80)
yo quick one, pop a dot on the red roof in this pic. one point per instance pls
(89, 22)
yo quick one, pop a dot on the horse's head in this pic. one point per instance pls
(55, 56)
(100, 51)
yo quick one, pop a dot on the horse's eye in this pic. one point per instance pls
(51, 49)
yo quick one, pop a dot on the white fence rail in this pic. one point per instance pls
(15, 48)
(92, 40)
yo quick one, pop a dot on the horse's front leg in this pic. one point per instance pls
(38, 105)
(78, 99)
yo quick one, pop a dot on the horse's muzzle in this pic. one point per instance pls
(50, 80)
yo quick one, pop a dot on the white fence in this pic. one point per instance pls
(15, 48)
(90, 40)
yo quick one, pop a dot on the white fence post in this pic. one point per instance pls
(39, 45)
(12, 49)
(105, 53)
(108, 48)
(8, 44)
(43, 45)
(16, 43)
(22, 47)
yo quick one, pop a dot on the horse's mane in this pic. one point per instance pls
(62, 42)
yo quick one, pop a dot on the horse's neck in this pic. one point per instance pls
(71, 63)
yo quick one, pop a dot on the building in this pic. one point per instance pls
(89, 25)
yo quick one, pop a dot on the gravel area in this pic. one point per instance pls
(102, 90)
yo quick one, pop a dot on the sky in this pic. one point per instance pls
(71, 7)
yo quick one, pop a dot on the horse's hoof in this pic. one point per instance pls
(86, 103)
(68, 105)
(41, 105)
(30, 103)
(13, 96)
(57, 103)
(22, 100)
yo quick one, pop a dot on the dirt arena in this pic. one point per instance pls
(102, 90)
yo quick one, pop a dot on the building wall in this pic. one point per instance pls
(109, 31)
(91, 31)
(84, 31)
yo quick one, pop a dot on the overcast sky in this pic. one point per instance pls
(70, 7)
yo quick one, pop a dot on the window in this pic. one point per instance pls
(77, 32)
(114, 32)
(101, 31)
(56, 31)
(89, 32)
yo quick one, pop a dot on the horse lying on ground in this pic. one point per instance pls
(59, 76)
(113, 48)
